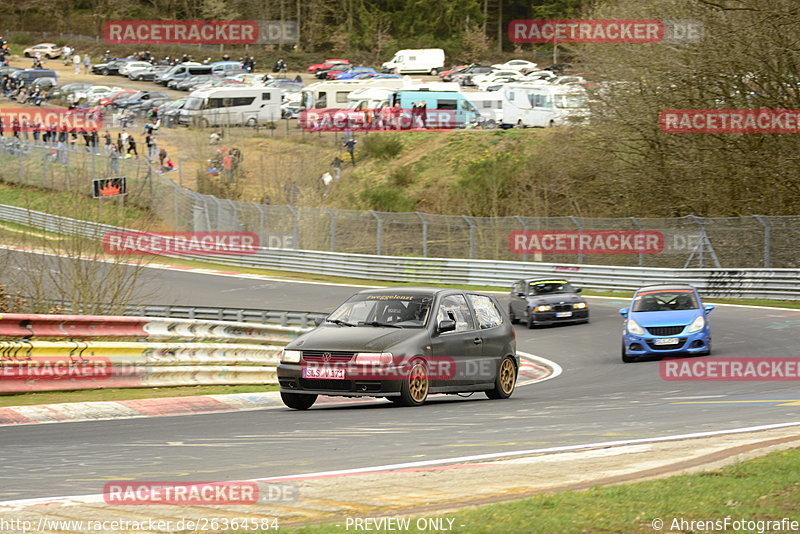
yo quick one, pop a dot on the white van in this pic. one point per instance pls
(232, 106)
(422, 60)
(489, 104)
(369, 98)
(334, 94)
(532, 104)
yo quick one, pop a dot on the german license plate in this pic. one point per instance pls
(323, 372)
(667, 341)
(563, 314)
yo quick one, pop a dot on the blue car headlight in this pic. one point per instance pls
(634, 328)
(696, 325)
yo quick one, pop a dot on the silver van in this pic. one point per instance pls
(179, 72)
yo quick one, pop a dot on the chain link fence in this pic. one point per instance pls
(739, 242)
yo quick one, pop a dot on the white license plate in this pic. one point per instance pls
(667, 341)
(563, 314)
(324, 372)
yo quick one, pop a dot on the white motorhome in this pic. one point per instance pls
(540, 105)
(333, 94)
(369, 98)
(490, 106)
(422, 60)
(231, 106)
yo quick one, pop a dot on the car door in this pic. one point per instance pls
(455, 353)
(518, 302)
(494, 334)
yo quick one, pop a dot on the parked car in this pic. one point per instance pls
(330, 74)
(546, 301)
(481, 78)
(451, 70)
(518, 65)
(28, 76)
(147, 73)
(113, 96)
(169, 112)
(192, 81)
(45, 50)
(7, 69)
(137, 98)
(353, 72)
(664, 320)
(142, 108)
(64, 91)
(464, 78)
(328, 63)
(403, 344)
(126, 68)
(110, 67)
(493, 83)
(91, 94)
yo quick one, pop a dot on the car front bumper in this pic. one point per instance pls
(695, 343)
(291, 381)
(549, 317)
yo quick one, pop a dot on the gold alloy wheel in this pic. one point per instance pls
(418, 383)
(507, 376)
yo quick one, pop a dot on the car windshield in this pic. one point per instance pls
(390, 309)
(193, 103)
(665, 300)
(570, 101)
(548, 287)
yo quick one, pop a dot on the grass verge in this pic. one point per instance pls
(760, 490)
(120, 394)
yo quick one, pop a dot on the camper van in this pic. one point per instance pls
(542, 105)
(231, 106)
(490, 106)
(181, 72)
(423, 60)
(333, 94)
(444, 109)
(369, 98)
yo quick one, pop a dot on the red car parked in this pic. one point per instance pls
(327, 64)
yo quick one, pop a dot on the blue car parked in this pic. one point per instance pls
(665, 320)
(353, 72)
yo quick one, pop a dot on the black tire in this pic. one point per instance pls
(414, 389)
(298, 401)
(105, 72)
(505, 381)
(511, 317)
(251, 122)
(529, 320)
(625, 357)
(434, 72)
(552, 124)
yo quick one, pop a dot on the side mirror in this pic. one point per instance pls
(579, 290)
(624, 312)
(446, 325)
(319, 320)
(708, 308)
(520, 294)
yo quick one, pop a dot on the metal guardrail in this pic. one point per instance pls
(782, 284)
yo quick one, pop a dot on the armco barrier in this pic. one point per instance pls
(782, 284)
(87, 360)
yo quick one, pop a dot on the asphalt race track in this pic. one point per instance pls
(597, 398)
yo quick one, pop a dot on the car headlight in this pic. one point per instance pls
(291, 356)
(543, 307)
(580, 305)
(697, 325)
(373, 358)
(634, 328)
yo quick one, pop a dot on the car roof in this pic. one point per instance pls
(666, 287)
(549, 279)
(408, 290)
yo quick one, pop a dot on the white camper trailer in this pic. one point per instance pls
(543, 105)
(231, 106)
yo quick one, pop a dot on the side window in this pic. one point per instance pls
(266, 96)
(447, 104)
(455, 307)
(486, 313)
(341, 97)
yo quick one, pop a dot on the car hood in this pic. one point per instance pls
(557, 298)
(353, 338)
(665, 318)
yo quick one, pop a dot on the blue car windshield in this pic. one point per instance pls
(395, 309)
(667, 300)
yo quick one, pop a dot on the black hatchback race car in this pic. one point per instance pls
(544, 301)
(403, 344)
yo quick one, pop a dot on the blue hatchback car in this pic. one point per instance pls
(665, 320)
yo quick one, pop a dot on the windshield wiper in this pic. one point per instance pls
(376, 323)
(339, 322)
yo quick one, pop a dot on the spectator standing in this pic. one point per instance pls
(132, 146)
(76, 62)
(350, 145)
(162, 155)
(87, 63)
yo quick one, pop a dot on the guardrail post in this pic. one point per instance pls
(333, 229)
(471, 236)
(638, 227)
(424, 234)
(767, 240)
(580, 230)
(379, 233)
(295, 227)
(524, 227)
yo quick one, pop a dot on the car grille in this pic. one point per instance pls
(677, 345)
(665, 330)
(336, 356)
(327, 385)
(562, 307)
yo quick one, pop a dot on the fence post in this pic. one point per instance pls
(379, 233)
(638, 227)
(767, 240)
(296, 227)
(580, 230)
(471, 236)
(333, 229)
(524, 227)
(424, 234)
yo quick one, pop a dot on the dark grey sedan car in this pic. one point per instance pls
(543, 301)
(403, 344)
